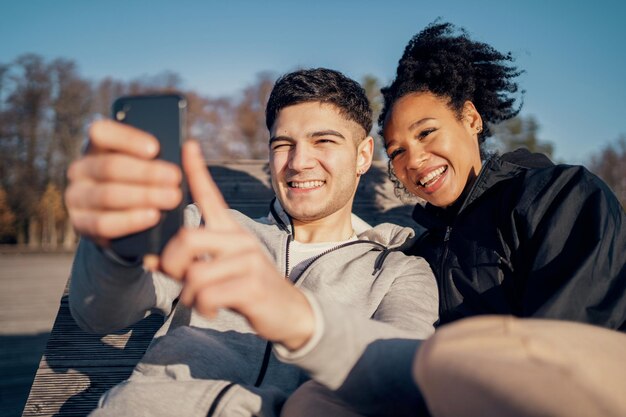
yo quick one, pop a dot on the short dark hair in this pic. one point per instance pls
(444, 61)
(322, 85)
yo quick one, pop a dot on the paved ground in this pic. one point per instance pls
(31, 285)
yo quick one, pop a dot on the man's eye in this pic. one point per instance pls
(279, 146)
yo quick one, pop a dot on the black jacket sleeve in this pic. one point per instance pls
(572, 234)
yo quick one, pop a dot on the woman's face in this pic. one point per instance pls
(433, 152)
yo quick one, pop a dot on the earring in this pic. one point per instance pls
(479, 129)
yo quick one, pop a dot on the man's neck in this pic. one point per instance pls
(334, 228)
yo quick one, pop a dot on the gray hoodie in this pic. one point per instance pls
(199, 366)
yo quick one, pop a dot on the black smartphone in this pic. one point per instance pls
(164, 117)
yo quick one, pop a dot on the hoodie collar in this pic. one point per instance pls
(387, 234)
(281, 218)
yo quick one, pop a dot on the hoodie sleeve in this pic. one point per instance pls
(412, 301)
(368, 362)
(107, 294)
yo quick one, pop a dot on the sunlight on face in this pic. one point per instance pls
(313, 160)
(433, 153)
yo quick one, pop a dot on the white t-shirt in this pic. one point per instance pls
(301, 254)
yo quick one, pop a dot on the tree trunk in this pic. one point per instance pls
(34, 234)
(69, 236)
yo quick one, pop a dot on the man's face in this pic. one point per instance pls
(314, 157)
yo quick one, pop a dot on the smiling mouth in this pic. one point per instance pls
(432, 177)
(305, 184)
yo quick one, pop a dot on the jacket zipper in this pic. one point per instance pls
(446, 238)
(218, 398)
(444, 255)
(268, 346)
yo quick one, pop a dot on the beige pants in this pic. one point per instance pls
(503, 366)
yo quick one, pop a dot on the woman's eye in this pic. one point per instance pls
(394, 153)
(425, 133)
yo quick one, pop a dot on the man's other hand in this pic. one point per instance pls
(222, 265)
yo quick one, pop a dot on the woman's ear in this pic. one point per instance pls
(471, 118)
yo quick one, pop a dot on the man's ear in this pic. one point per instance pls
(471, 118)
(365, 153)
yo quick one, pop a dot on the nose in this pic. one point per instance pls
(417, 156)
(301, 158)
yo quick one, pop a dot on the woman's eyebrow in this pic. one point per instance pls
(416, 124)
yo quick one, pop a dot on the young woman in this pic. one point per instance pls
(512, 234)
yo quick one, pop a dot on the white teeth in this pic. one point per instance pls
(306, 184)
(431, 176)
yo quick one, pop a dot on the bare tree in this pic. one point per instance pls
(610, 165)
(71, 104)
(52, 216)
(250, 119)
(519, 132)
(7, 219)
(105, 92)
(28, 108)
(371, 85)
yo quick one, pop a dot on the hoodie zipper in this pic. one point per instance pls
(343, 245)
(268, 346)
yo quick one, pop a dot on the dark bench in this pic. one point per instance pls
(77, 367)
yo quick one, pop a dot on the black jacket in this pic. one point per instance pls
(532, 239)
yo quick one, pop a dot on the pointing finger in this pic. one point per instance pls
(204, 190)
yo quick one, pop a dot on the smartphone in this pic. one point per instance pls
(164, 117)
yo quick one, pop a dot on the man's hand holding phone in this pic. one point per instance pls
(118, 187)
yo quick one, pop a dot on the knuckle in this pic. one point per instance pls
(106, 196)
(95, 130)
(69, 196)
(105, 168)
(185, 236)
(204, 302)
(71, 171)
(98, 226)
(194, 275)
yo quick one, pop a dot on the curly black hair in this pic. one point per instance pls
(323, 85)
(443, 60)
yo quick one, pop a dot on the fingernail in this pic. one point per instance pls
(152, 215)
(151, 148)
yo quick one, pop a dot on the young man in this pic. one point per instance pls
(308, 275)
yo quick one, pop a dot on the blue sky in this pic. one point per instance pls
(574, 52)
